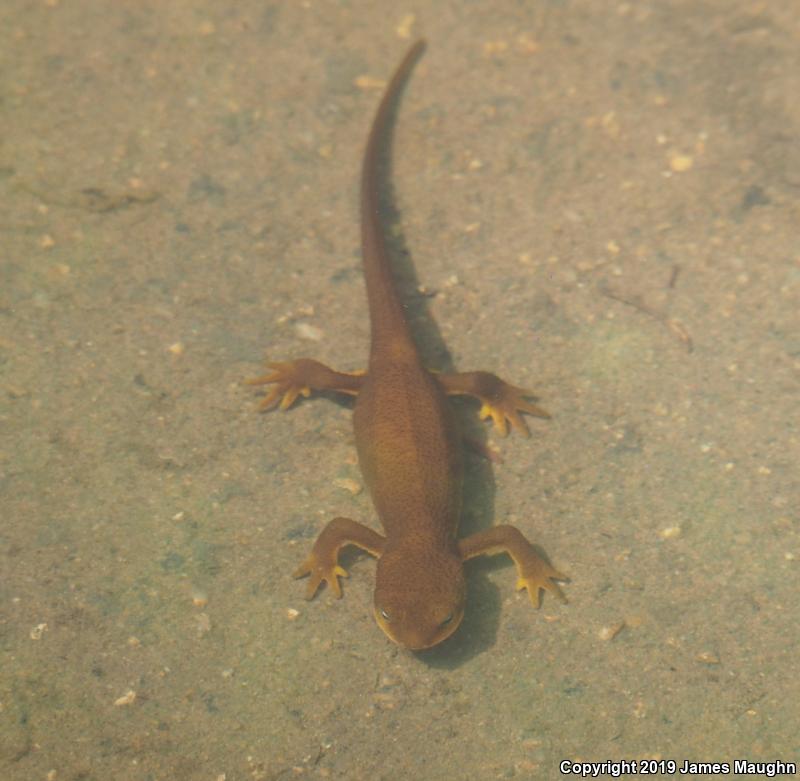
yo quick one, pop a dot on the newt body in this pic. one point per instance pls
(409, 450)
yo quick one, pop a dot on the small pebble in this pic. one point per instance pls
(127, 699)
(353, 486)
(308, 331)
(681, 163)
(369, 82)
(199, 597)
(403, 29)
(610, 632)
(37, 631)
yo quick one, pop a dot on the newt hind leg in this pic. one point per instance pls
(291, 379)
(499, 400)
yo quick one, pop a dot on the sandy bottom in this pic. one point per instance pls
(601, 201)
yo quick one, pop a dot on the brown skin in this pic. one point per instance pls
(409, 450)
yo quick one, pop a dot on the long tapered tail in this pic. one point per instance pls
(387, 318)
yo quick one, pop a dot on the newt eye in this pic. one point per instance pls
(385, 615)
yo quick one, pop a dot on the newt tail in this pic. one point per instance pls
(386, 314)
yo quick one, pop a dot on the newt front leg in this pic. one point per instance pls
(322, 563)
(534, 573)
(500, 400)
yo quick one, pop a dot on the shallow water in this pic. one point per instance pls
(601, 202)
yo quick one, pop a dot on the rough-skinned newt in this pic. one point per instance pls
(409, 449)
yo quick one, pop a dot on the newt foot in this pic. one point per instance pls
(320, 571)
(504, 405)
(290, 379)
(536, 575)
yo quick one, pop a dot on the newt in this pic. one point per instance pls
(409, 449)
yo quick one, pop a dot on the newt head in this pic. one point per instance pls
(419, 594)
